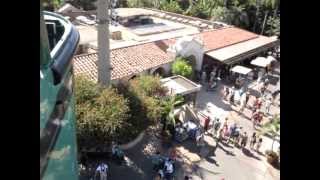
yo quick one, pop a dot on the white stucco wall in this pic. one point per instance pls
(188, 46)
(166, 67)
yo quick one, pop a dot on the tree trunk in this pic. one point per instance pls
(276, 9)
(264, 22)
(257, 14)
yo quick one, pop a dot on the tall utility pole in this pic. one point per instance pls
(104, 74)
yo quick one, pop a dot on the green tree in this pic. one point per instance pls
(181, 67)
(143, 3)
(102, 114)
(52, 5)
(85, 4)
(168, 109)
(273, 26)
(144, 93)
(85, 90)
(202, 9)
(272, 128)
(170, 6)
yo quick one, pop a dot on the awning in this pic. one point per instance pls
(241, 69)
(239, 51)
(262, 61)
(180, 85)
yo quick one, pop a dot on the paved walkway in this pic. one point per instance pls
(212, 162)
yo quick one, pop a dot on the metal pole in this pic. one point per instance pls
(104, 74)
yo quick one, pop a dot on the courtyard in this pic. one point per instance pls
(212, 161)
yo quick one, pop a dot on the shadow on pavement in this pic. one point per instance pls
(248, 153)
(212, 161)
(209, 97)
(225, 144)
(225, 150)
(272, 79)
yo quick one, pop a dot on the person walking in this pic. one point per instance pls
(253, 140)
(101, 171)
(216, 127)
(243, 102)
(231, 96)
(257, 118)
(226, 93)
(259, 144)
(225, 132)
(212, 75)
(244, 140)
(206, 124)
(268, 105)
(257, 104)
(247, 98)
(203, 77)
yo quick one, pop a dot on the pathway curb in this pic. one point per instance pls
(133, 143)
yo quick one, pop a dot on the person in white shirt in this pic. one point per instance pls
(243, 101)
(168, 168)
(268, 105)
(102, 171)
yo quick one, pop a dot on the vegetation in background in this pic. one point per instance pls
(84, 4)
(142, 3)
(145, 95)
(259, 16)
(51, 5)
(182, 67)
(170, 6)
(273, 26)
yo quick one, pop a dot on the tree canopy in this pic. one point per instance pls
(102, 114)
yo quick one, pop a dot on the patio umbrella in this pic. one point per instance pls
(260, 61)
(241, 69)
(271, 58)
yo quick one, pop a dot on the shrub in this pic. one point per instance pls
(102, 114)
(182, 67)
(170, 6)
(143, 93)
(85, 90)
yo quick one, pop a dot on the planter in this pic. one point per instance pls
(272, 157)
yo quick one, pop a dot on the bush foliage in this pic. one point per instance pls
(102, 114)
(182, 67)
(145, 94)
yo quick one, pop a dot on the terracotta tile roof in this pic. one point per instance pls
(220, 38)
(125, 61)
(135, 59)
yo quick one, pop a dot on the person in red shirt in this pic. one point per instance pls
(206, 123)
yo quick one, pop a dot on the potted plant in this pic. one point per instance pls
(272, 157)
